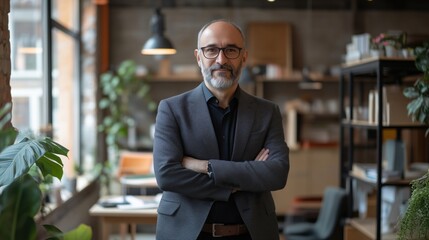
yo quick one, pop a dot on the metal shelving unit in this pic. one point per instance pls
(380, 70)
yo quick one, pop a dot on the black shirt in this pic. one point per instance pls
(224, 122)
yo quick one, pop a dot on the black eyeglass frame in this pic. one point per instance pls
(221, 49)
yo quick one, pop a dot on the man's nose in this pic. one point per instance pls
(221, 58)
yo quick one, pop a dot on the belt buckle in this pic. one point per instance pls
(214, 229)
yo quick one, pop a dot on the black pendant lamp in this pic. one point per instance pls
(158, 44)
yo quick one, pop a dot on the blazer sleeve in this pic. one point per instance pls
(255, 176)
(168, 154)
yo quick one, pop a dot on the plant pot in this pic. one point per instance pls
(376, 53)
(391, 51)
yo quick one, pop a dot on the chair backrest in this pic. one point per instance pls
(330, 212)
(131, 163)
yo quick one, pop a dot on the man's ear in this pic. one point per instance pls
(244, 58)
(197, 57)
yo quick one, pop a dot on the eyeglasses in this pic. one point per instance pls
(213, 52)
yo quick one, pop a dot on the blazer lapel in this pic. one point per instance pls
(245, 119)
(202, 121)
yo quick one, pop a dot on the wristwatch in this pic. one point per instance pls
(209, 169)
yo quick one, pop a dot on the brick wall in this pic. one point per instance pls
(4, 53)
(319, 37)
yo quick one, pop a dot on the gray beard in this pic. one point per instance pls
(220, 82)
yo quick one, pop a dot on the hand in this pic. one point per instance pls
(263, 154)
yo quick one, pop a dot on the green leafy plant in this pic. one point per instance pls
(119, 87)
(418, 108)
(20, 195)
(415, 222)
(81, 232)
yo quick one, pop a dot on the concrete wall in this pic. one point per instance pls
(319, 36)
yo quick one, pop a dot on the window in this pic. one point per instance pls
(26, 64)
(53, 74)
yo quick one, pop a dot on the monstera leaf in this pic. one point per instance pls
(81, 232)
(16, 159)
(19, 203)
(20, 195)
(20, 198)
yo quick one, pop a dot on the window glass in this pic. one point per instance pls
(26, 38)
(65, 94)
(73, 76)
(88, 87)
(66, 13)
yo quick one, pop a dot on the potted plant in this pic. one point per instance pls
(20, 195)
(388, 44)
(120, 88)
(415, 222)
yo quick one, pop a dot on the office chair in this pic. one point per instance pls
(328, 219)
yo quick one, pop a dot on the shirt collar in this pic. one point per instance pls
(209, 95)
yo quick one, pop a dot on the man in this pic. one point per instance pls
(218, 151)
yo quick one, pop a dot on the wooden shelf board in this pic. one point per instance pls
(399, 182)
(367, 227)
(363, 123)
(297, 79)
(373, 59)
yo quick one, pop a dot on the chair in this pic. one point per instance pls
(135, 174)
(329, 217)
(133, 163)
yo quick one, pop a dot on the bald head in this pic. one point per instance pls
(220, 24)
(223, 41)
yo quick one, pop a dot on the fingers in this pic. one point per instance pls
(263, 155)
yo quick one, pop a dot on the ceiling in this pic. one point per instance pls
(418, 5)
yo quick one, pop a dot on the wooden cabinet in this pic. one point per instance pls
(270, 43)
(311, 171)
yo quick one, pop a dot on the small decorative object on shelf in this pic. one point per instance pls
(389, 45)
(392, 44)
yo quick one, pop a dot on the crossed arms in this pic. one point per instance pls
(201, 166)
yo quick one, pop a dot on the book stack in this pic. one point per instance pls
(358, 48)
(394, 105)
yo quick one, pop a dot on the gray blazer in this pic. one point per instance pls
(183, 128)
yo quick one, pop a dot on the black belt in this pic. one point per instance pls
(222, 230)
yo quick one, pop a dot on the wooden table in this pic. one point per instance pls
(113, 215)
